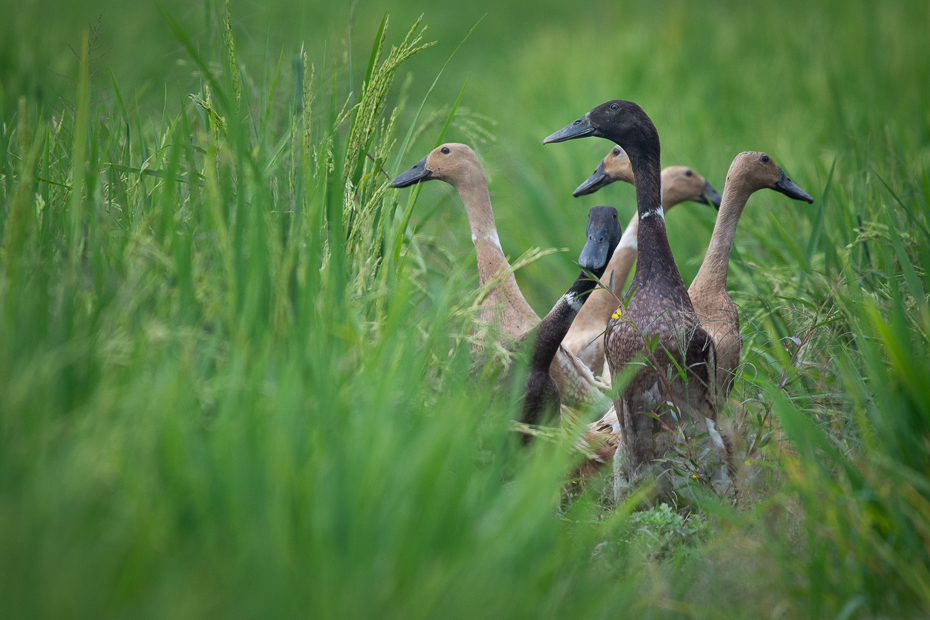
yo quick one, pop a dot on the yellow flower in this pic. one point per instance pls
(694, 476)
(616, 314)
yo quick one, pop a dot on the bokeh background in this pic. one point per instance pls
(808, 82)
(211, 407)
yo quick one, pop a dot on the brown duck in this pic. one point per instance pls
(504, 306)
(749, 172)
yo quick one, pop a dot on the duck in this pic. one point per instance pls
(750, 172)
(542, 395)
(679, 184)
(504, 306)
(657, 330)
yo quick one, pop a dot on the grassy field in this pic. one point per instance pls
(236, 373)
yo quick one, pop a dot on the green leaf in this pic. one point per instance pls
(402, 151)
(910, 274)
(445, 127)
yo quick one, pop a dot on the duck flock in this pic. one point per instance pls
(677, 347)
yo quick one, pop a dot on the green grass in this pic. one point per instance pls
(236, 372)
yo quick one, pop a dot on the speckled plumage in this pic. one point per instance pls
(658, 313)
(659, 308)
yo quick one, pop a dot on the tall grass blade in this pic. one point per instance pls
(402, 151)
(79, 156)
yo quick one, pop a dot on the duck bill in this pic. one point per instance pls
(416, 174)
(596, 181)
(594, 254)
(710, 196)
(787, 187)
(579, 129)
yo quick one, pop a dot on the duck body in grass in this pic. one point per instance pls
(749, 172)
(658, 324)
(504, 306)
(541, 399)
(679, 184)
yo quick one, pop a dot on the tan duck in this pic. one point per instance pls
(679, 184)
(542, 397)
(504, 306)
(659, 323)
(749, 172)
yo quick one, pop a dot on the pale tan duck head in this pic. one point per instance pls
(453, 163)
(679, 183)
(614, 167)
(754, 170)
(682, 184)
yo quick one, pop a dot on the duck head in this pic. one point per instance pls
(603, 235)
(614, 167)
(624, 122)
(681, 184)
(451, 162)
(754, 170)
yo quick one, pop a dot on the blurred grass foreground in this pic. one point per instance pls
(236, 369)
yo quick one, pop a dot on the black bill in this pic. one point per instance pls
(579, 129)
(787, 187)
(417, 173)
(596, 181)
(710, 196)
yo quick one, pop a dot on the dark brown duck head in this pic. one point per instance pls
(628, 126)
(623, 122)
(603, 235)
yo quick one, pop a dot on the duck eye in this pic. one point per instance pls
(616, 151)
(688, 173)
(614, 106)
(444, 150)
(765, 159)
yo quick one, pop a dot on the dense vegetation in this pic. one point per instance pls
(236, 369)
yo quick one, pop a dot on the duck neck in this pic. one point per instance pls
(510, 309)
(474, 193)
(712, 276)
(555, 325)
(655, 262)
(621, 263)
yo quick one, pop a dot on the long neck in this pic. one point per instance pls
(555, 325)
(518, 316)
(474, 193)
(655, 263)
(712, 276)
